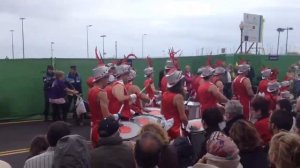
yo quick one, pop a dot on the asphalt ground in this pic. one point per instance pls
(15, 138)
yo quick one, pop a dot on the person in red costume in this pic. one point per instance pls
(208, 94)
(119, 98)
(217, 78)
(197, 80)
(136, 106)
(274, 75)
(173, 103)
(263, 84)
(164, 81)
(260, 116)
(242, 88)
(273, 94)
(98, 101)
(149, 85)
(188, 77)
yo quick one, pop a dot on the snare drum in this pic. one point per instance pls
(193, 109)
(129, 130)
(196, 134)
(195, 125)
(142, 120)
(154, 111)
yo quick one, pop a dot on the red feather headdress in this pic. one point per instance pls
(99, 59)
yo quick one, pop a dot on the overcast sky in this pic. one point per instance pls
(184, 24)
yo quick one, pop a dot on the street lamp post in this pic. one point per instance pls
(116, 48)
(22, 20)
(242, 29)
(87, 40)
(103, 36)
(52, 49)
(12, 44)
(279, 31)
(287, 39)
(143, 44)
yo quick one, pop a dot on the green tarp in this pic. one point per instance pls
(21, 86)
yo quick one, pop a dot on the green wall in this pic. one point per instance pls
(21, 86)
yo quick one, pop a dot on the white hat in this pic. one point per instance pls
(111, 79)
(266, 73)
(285, 83)
(286, 95)
(100, 72)
(207, 71)
(110, 65)
(173, 77)
(122, 69)
(148, 71)
(273, 86)
(169, 64)
(4, 164)
(242, 68)
(132, 75)
(199, 71)
(219, 71)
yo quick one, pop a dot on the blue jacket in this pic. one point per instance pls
(75, 81)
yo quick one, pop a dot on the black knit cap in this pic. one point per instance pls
(50, 67)
(73, 67)
(108, 126)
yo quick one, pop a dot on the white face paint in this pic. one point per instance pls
(222, 125)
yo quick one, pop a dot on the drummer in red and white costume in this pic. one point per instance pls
(119, 99)
(172, 105)
(98, 101)
(149, 83)
(242, 88)
(197, 80)
(164, 81)
(263, 84)
(273, 94)
(217, 78)
(208, 94)
(134, 89)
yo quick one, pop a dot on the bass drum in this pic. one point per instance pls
(129, 130)
(145, 119)
(154, 111)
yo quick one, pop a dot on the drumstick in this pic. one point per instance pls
(144, 89)
(120, 110)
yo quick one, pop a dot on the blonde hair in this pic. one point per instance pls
(162, 135)
(58, 73)
(285, 150)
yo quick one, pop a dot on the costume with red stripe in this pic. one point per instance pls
(196, 83)
(169, 111)
(115, 105)
(136, 106)
(263, 85)
(240, 91)
(205, 98)
(163, 84)
(147, 84)
(96, 113)
(272, 101)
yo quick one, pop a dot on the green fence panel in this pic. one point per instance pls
(21, 86)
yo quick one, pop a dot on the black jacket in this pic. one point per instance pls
(231, 122)
(257, 158)
(112, 153)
